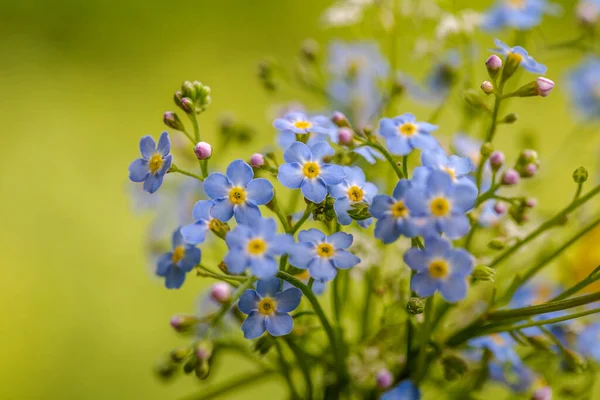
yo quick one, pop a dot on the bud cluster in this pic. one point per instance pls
(193, 97)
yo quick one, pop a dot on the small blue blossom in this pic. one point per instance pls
(500, 344)
(403, 134)
(255, 247)
(584, 87)
(587, 341)
(439, 267)
(154, 164)
(353, 189)
(322, 255)
(369, 154)
(441, 205)
(519, 14)
(267, 308)
(195, 233)
(393, 216)
(305, 169)
(457, 167)
(298, 123)
(520, 56)
(405, 390)
(174, 265)
(517, 376)
(236, 193)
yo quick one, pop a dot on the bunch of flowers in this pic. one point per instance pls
(364, 208)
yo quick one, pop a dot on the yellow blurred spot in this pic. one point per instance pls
(438, 269)
(407, 129)
(156, 161)
(178, 254)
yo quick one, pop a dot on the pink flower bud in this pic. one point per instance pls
(257, 160)
(203, 150)
(530, 202)
(339, 119)
(510, 177)
(493, 63)
(487, 87)
(182, 323)
(500, 208)
(588, 12)
(221, 292)
(384, 378)
(543, 393)
(529, 170)
(345, 136)
(497, 160)
(543, 86)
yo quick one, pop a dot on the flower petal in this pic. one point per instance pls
(174, 278)
(147, 146)
(423, 284)
(297, 152)
(332, 174)
(398, 145)
(279, 324)
(464, 197)
(164, 144)
(259, 191)
(201, 211)
(217, 185)
(239, 173)
(455, 226)
(152, 183)
(320, 150)
(246, 213)
(314, 189)
(268, 287)
(386, 229)
(191, 258)
(381, 205)
(288, 300)
(416, 259)
(254, 325)
(454, 289)
(321, 268)
(138, 170)
(439, 183)
(290, 175)
(248, 301)
(263, 267)
(236, 261)
(194, 233)
(340, 240)
(343, 259)
(281, 244)
(461, 262)
(311, 235)
(164, 263)
(222, 210)
(301, 254)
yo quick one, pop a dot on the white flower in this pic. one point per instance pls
(344, 13)
(465, 22)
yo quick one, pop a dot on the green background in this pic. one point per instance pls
(81, 314)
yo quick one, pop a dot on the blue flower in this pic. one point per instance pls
(174, 265)
(584, 87)
(587, 341)
(255, 247)
(519, 56)
(236, 193)
(196, 232)
(305, 169)
(458, 168)
(519, 14)
(442, 205)
(321, 254)
(298, 123)
(353, 189)
(439, 267)
(393, 216)
(500, 344)
(369, 154)
(516, 376)
(465, 146)
(402, 134)
(267, 308)
(405, 390)
(154, 164)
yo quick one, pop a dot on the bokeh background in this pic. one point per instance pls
(81, 316)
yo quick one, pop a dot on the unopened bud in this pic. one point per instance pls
(172, 121)
(178, 355)
(202, 370)
(384, 378)
(415, 306)
(487, 87)
(580, 175)
(187, 105)
(497, 159)
(220, 292)
(530, 202)
(497, 244)
(183, 323)
(190, 365)
(188, 90)
(220, 229)
(473, 99)
(499, 207)
(486, 149)
(203, 349)
(510, 118)
(340, 120)
(203, 150)
(177, 97)
(540, 87)
(510, 177)
(454, 367)
(345, 136)
(588, 12)
(543, 393)
(166, 370)
(513, 61)
(484, 273)
(529, 170)
(359, 211)
(493, 65)
(257, 160)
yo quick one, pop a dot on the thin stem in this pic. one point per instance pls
(492, 132)
(591, 278)
(274, 206)
(307, 211)
(194, 120)
(175, 168)
(487, 195)
(422, 358)
(364, 326)
(388, 157)
(230, 386)
(285, 369)
(578, 191)
(405, 166)
(204, 168)
(304, 367)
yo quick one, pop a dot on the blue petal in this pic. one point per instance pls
(461, 262)
(456, 226)
(194, 233)
(454, 289)
(236, 261)
(282, 124)
(201, 211)
(138, 170)
(297, 152)
(238, 237)
(332, 174)
(174, 278)
(152, 183)
(437, 246)
(222, 210)
(314, 190)
(190, 259)
(263, 267)
(164, 263)
(370, 190)
(268, 287)
(461, 165)
(388, 128)
(321, 268)
(401, 188)
(259, 191)
(164, 144)
(340, 240)
(265, 228)
(464, 197)
(343, 259)
(246, 213)
(386, 229)
(147, 146)
(439, 183)
(416, 259)
(398, 145)
(254, 325)
(404, 118)
(167, 161)
(279, 324)
(288, 300)
(424, 141)
(341, 206)
(355, 176)
(280, 244)
(217, 185)
(286, 138)
(321, 150)
(301, 254)
(381, 205)
(239, 173)
(433, 159)
(291, 175)
(311, 235)
(426, 127)
(423, 284)
(416, 201)
(339, 191)
(248, 301)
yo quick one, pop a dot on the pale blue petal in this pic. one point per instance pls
(174, 278)
(439, 183)
(246, 213)
(386, 230)
(167, 161)
(265, 228)
(152, 183)
(279, 324)
(387, 128)
(464, 197)
(248, 301)
(340, 240)
(455, 227)
(424, 141)
(201, 211)
(381, 205)
(259, 191)
(461, 262)
(320, 150)
(263, 267)
(370, 190)
(254, 325)
(404, 118)
(332, 174)
(311, 235)
(164, 144)
(314, 190)
(438, 246)
(355, 176)
(454, 289)
(301, 254)
(239, 236)
(164, 263)
(147, 146)
(297, 152)
(423, 284)
(190, 259)
(416, 259)
(291, 175)
(341, 206)
(280, 244)
(239, 173)
(416, 201)
(194, 233)
(321, 268)
(222, 210)
(138, 170)
(343, 259)
(217, 185)
(461, 165)
(268, 287)
(236, 261)
(426, 127)
(288, 300)
(177, 239)
(340, 190)
(398, 145)
(401, 188)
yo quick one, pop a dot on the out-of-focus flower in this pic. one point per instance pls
(518, 56)
(584, 87)
(465, 22)
(353, 189)
(588, 11)
(405, 390)
(500, 344)
(436, 160)
(154, 164)
(298, 123)
(403, 134)
(174, 265)
(345, 12)
(587, 341)
(517, 376)
(519, 14)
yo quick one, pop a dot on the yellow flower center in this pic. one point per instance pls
(311, 169)
(237, 195)
(440, 206)
(257, 246)
(451, 172)
(267, 306)
(302, 124)
(438, 269)
(325, 250)
(355, 193)
(399, 209)
(497, 339)
(514, 58)
(178, 254)
(516, 3)
(407, 129)
(156, 161)
(214, 224)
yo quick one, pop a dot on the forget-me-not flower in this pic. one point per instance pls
(237, 193)
(306, 170)
(519, 14)
(403, 134)
(518, 55)
(196, 232)
(353, 189)
(393, 216)
(322, 254)
(267, 308)
(500, 344)
(174, 265)
(587, 341)
(439, 267)
(584, 87)
(517, 376)
(297, 122)
(255, 247)
(154, 164)
(457, 167)
(442, 204)
(405, 390)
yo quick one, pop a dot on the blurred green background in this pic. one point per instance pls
(82, 316)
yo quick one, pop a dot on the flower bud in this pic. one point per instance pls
(384, 378)
(512, 63)
(310, 50)
(493, 65)
(415, 306)
(202, 370)
(487, 87)
(345, 136)
(203, 150)
(263, 344)
(588, 12)
(454, 367)
(580, 175)
(177, 98)
(530, 202)
(497, 159)
(510, 177)
(178, 355)
(183, 323)
(190, 365)
(166, 370)
(188, 90)
(499, 207)
(187, 105)
(218, 228)
(543, 393)
(203, 349)
(544, 86)
(340, 120)
(510, 118)
(473, 99)
(172, 121)
(486, 149)
(220, 292)
(484, 273)
(257, 160)
(497, 244)
(529, 170)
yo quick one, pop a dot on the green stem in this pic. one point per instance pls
(304, 367)
(297, 225)
(230, 386)
(591, 278)
(274, 206)
(194, 120)
(405, 166)
(204, 168)
(422, 358)
(492, 132)
(234, 297)
(487, 195)
(364, 327)
(175, 168)
(388, 157)
(286, 370)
